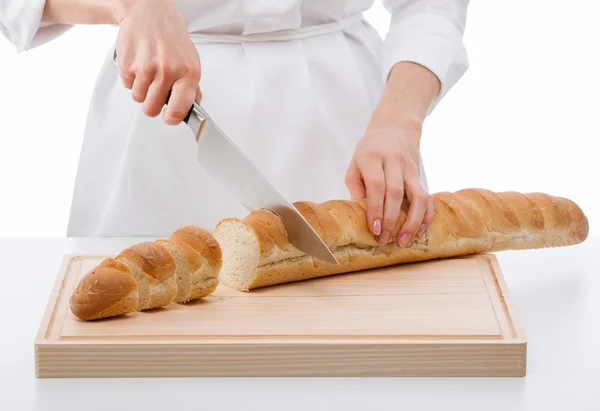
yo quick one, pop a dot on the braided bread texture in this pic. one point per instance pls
(256, 251)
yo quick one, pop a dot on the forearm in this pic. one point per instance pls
(85, 11)
(410, 90)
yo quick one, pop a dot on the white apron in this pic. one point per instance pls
(292, 82)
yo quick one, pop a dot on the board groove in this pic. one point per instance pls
(441, 318)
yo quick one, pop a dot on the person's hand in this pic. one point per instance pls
(385, 167)
(155, 55)
(385, 171)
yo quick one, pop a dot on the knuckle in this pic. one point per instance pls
(421, 197)
(172, 121)
(191, 71)
(150, 110)
(397, 156)
(372, 152)
(349, 180)
(127, 72)
(389, 222)
(411, 228)
(177, 114)
(378, 185)
(166, 69)
(126, 68)
(147, 71)
(137, 97)
(411, 170)
(127, 83)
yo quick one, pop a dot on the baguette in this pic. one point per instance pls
(150, 275)
(107, 290)
(256, 251)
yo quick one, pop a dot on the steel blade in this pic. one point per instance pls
(231, 168)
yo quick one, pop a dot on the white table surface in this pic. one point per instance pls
(556, 293)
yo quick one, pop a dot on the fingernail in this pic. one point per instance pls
(422, 229)
(404, 239)
(384, 238)
(377, 227)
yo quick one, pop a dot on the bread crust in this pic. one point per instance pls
(199, 245)
(468, 221)
(111, 288)
(107, 290)
(152, 258)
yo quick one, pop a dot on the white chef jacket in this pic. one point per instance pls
(296, 106)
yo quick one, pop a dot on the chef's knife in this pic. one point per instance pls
(228, 165)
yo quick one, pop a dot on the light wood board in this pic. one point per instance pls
(447, 317)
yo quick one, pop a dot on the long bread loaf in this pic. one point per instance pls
(256, 252)
(149, 275)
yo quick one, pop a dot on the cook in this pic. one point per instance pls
(306, 88)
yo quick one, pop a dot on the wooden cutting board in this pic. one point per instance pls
(439, 318)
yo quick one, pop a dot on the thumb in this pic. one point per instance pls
(354, 181)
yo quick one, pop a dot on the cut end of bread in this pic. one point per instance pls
(199, 246)
(142, 283)
(241, 252)
(203, 289)
(256, 252)
(182, 271)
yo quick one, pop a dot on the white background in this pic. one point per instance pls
(525, 117)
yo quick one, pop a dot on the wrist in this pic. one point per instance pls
(397, 120)
(120, 9)
(411, 88)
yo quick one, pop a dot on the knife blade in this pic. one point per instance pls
(229, 166)
(239, 176)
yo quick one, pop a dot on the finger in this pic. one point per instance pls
(374, 180)
(145, 71)
(182, 97)
(429, 214)
(354, 181)
(418, 206)
(128, 81)
(139, 91)
(156, 97)
(125, 69)
(394, 193)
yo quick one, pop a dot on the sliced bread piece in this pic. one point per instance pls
(153, 268)
(204, 258)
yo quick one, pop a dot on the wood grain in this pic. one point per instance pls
(439, 318)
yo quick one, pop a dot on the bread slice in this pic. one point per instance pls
(106, 291)
(204, 259)
(256, 251)
(153, 268)
(183, 273)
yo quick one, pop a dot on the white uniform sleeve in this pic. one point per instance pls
(429, 33)
(20, 23)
